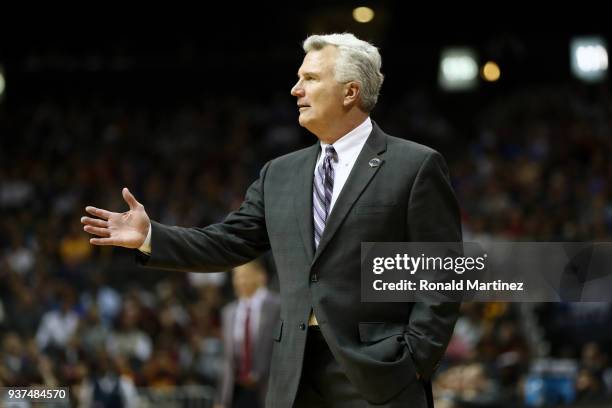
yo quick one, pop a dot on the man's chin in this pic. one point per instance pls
(306, 123)
(302, 121)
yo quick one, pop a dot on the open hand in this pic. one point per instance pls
(128, 229)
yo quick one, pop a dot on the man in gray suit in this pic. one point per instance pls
(313, 208)
(247, 343)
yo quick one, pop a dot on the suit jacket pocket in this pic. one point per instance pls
(382, 342)
(371, 332)
(278, 330)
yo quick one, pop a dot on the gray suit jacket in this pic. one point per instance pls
(262, 347)
(408, 197)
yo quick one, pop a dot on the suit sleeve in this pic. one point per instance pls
(433, 216)
(240, 238)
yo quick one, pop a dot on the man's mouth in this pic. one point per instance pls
(300, 107)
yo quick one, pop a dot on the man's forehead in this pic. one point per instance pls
(308, 70)
(317, 61)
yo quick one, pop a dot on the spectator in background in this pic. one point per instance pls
(74, 248)
(58, 326)
(26, 311)
(248, 324)
(468, 385)
(92, 332)
(103, 297)
(11, 360)
(108, 387)
(590, 383)
(128, 339)
(20, 258)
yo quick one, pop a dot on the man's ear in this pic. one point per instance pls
(352, 92)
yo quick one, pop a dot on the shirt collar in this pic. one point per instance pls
(255, 299)
(352, 139)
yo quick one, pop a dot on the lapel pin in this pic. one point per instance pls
(375, 162)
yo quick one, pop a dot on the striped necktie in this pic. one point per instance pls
(322, 192)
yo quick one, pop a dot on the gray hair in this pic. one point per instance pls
(358, 60)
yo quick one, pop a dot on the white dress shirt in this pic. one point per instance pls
(348, 148)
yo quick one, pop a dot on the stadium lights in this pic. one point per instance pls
(490, 71)
(458, 69)
(363, 14)
(589, 58)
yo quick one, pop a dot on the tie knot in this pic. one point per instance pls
(331, 153)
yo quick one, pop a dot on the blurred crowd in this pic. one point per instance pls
(533, 165)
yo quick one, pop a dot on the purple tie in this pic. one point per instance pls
(322, 192)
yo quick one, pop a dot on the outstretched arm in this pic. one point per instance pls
(241, 237)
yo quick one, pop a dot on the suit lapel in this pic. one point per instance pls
(302, 198)
(360, 176)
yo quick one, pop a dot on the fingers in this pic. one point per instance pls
(129, 198)
(98, 212)
(101, 232)
(102, 241)
(96, 222)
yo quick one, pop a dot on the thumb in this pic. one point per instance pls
(129, 198)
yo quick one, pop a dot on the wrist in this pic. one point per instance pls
(146, 245)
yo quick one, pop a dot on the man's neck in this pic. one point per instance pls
(342, 127)
(252, 295)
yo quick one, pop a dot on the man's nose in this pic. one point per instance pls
(297, 90)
